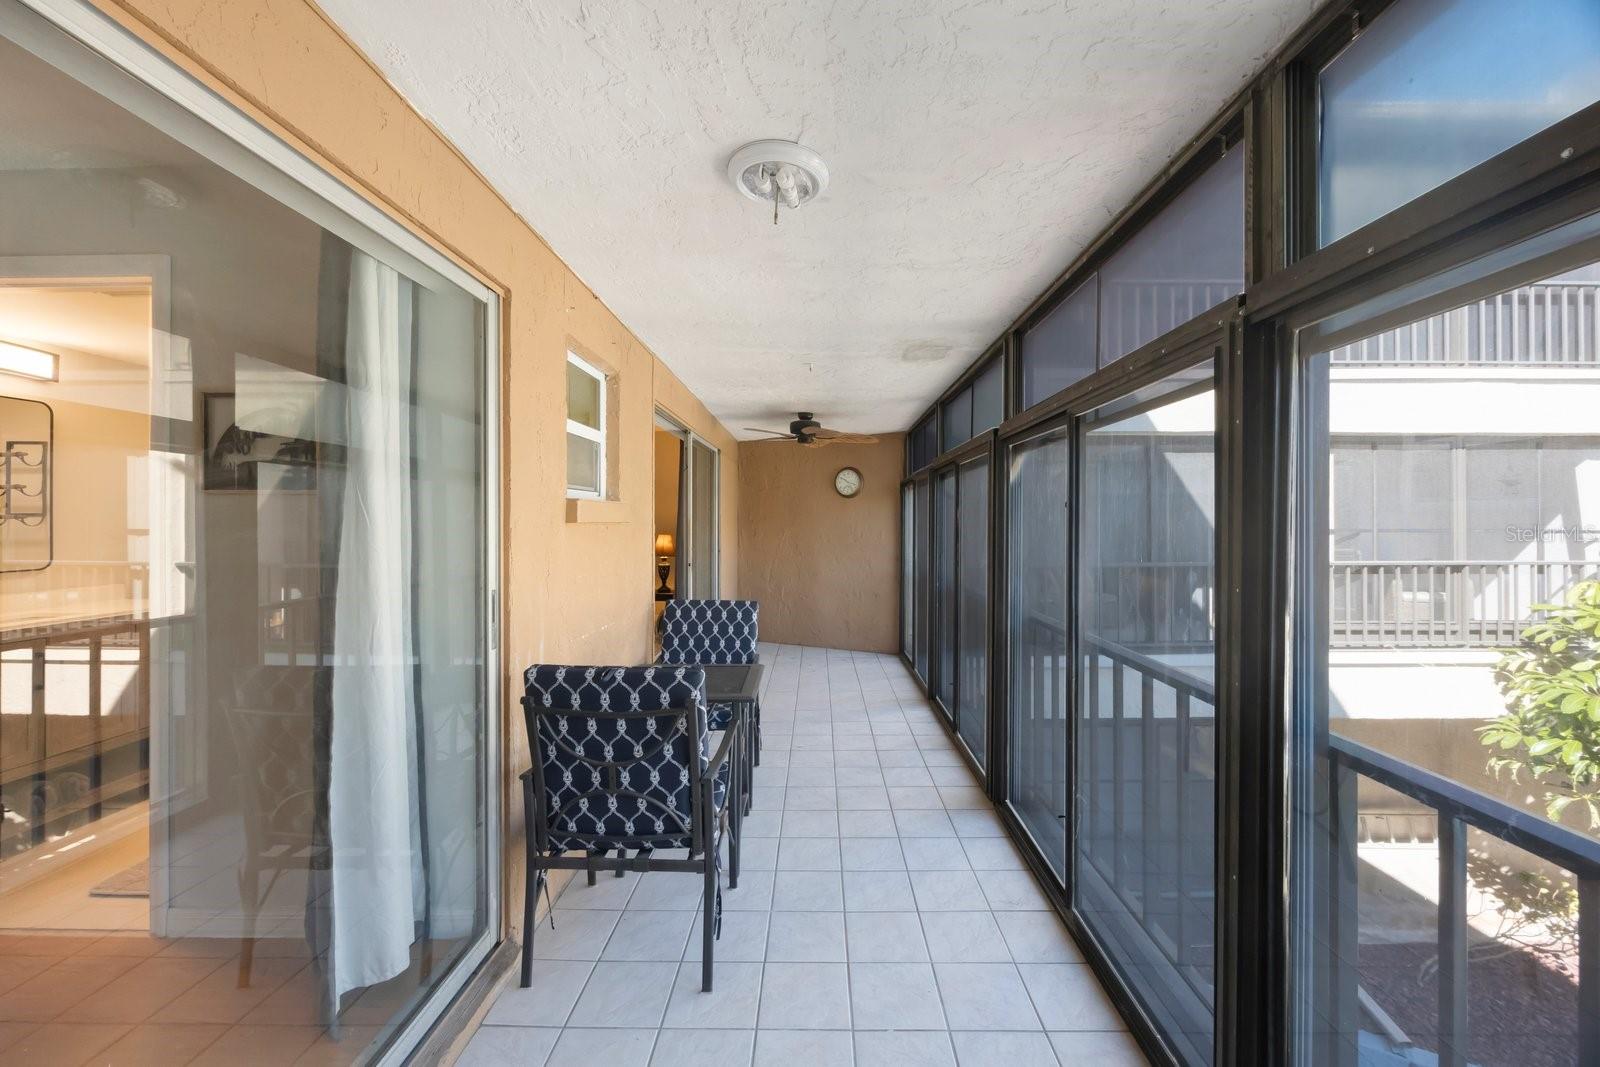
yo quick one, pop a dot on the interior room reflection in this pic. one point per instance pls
(241, 750)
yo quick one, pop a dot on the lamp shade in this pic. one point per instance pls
(664, 545)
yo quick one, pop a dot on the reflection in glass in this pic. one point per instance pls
(243, 710)
(944, 589)
(1036, 583)
(1145, 841)
(988, 397)
(1452, 506)
(908, 620)
(1060, 348)
(1187, 259)
(972, 610)
(1434, 87)
(922, 520)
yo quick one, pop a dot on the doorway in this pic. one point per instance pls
(688, 470)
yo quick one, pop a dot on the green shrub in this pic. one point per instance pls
(1551, 727)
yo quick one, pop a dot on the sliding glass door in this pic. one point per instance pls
(961, 599)
(1038, 655)
(246, 669)
(972, 608)
(1447, 753)
(944, 591)
(1144, 854)
(922, 574)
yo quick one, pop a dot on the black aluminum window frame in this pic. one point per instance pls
(1550, 178)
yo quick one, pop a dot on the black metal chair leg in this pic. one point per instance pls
(530, 904)
(709, 934)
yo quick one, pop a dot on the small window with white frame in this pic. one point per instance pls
(586, 429)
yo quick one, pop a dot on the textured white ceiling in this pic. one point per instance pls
(975, 148)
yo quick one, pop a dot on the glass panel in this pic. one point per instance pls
(988, 397)
(583, 464)
(1186, 260)
(923, 520)
(1144, 808)
(908, 622)
(1036, 580)
(242, 712)
(1462, 499)
(583, 397)
(944, 588)
(972, 641)
(1060, 348)
(924, 443)
(703, 503)
(957, 416)
(1434, 87)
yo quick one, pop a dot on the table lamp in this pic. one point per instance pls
(664, 553)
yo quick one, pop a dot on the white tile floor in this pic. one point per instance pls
(882, 916)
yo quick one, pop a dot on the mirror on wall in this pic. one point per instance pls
(27, 438)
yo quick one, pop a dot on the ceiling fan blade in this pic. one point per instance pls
(842, 437)
(775, 433)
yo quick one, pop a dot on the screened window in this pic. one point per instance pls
(989, 397)
(944, 588)
(1434, 87)
(957, 417)
(921, 520)
(1060, 348)
(1144, 808)
(972, 608)
(923, 444)
(1186, 260)
(1036, 583)
(586, 429)
(1445, 845)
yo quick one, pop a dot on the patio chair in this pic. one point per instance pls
(622, 760)
(715, 632)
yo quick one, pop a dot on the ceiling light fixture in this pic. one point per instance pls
(27, 362)
(781, 172)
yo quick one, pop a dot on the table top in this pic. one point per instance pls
(730, 682)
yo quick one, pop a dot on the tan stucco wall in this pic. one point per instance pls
(576, 591)
(825, 569)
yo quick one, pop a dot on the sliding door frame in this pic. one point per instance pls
(687, 438)
(1211, 336)
(94, 49)
(981, 447)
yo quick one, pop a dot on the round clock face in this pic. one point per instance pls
(847, 481)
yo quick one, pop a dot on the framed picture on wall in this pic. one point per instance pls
(234, 455)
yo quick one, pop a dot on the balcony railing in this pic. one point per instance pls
(1441, 604)
(1457, 807)
(1554, 324)
(1145, 833)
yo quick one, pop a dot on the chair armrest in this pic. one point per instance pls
(726, 748)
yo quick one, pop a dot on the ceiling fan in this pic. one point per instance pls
(806, 430)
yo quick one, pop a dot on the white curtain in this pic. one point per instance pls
(378, 883)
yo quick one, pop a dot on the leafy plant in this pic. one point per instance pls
(1551, 727)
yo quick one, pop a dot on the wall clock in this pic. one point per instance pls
(847, 482)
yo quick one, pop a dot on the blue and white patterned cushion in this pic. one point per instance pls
(626, 777)
(711, 631)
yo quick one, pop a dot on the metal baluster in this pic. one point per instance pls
(1589, 968)
(1182, 741)
(1452, 942)
(1117, 815)
(1149, 778)
(1344, 912)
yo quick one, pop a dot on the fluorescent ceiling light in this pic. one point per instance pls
(27, 362)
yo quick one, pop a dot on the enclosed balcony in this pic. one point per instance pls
(619, 532)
